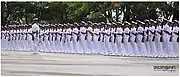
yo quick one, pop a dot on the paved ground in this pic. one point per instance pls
(25, 63)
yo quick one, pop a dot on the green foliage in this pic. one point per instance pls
(60, 12)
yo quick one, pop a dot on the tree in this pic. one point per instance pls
(63, 12)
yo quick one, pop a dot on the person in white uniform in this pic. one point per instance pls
(89, 37)
(112, 42)
(96, 33)
(35, 34)
(133, 35)
(75, 39)
(126, 39)
(101, 39)
(175, 38)
(119, 36)
(146, 36)
(140, 43)
(82, 37)
(171, 41)
(107, 39)
(166, 37)
(59, 35)
(151, 40)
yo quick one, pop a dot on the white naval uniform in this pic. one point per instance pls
(89, 40)
(63, 40)
(127, 44)
(8, 41)
(69, 43)
(75, 44)
(60, 46)
(102, 49)
(133, 43)
(158, 43)
(146, 36)
(106, 41)
(11, 40)
(53, 41)
(175, 44)
(47, 42)
(2, 39)
(42, 43)
(141, 46)
(120, 45)
(18, 40)
(35, 28)
(96, 45)
(23, 41)
(153, 50)
(166, 43)
(113, 45)
(82, 39)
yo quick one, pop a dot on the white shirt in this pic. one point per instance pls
(119, 30)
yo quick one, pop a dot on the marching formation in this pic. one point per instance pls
(148, 39)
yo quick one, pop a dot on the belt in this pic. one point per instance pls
(83, 33)
(119, 34)
(35, 32)
(96, 34)
(141, 34)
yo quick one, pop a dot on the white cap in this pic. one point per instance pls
(35, 27)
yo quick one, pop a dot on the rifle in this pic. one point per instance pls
(71, 38)
(26, 37)
(147, 35)
(15, 36)
(154, 36)
(92, 38)
(170, 40)
(5, 36)
(122, 38)
(129, 39)
(178, 39)
(12, 37)
(19, 37)
(1, 35)
(43, 37)
(78, 36)
(135, 39)
(52, 36)
(168, 32)
(49, 37)
(22, 37)
(110, 38)
(99, 38)
(114, 38)
(56, 37)
(86, 36)
(64, 38)
(9, 37)
(103, 38)
(143, 38)
(61, 37)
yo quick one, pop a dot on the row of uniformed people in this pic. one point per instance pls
(145, 39)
